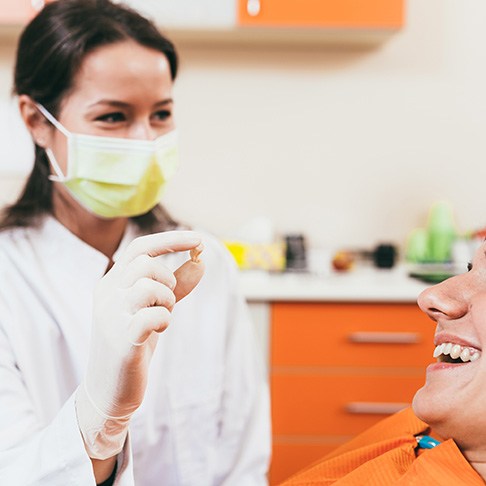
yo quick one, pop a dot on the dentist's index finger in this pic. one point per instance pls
(160, 243)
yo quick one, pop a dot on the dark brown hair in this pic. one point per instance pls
(50, 52)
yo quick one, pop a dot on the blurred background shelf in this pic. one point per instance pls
(251, 22)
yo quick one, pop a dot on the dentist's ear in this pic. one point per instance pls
(40, 129)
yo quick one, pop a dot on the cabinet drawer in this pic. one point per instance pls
(337, 405)
(290, 456)
(350, 335)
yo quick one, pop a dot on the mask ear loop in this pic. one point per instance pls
(59, 177)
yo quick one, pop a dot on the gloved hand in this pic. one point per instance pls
(132, 305)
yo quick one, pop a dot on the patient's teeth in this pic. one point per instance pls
(456, 351)
(465, 354)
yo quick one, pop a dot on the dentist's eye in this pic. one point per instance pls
(114, 117)
(469, 266)
(162, 115)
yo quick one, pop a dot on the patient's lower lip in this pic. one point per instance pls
(446, 366)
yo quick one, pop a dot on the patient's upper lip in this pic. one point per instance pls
(445, 337)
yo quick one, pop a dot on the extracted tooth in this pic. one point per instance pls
(455, 351)
(447, 348)
(465, 354)
(475, 356)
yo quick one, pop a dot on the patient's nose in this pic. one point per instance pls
(447, 299)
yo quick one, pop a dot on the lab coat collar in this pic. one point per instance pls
(69, 250)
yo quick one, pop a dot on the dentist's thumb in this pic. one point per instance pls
(189, 274)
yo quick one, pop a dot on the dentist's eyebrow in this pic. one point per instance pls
(122, 104)
(115, 103)
(168, 101)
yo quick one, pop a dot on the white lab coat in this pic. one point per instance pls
(205, 417)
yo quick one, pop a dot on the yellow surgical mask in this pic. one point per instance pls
(115, 177)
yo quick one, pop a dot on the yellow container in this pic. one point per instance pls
(250, 256)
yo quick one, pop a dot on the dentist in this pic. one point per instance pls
(123, 359)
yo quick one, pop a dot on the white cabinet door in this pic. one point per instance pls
(188, 14)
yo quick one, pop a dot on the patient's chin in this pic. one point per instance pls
(434, 412)
(449, 417)
(425, 407)
(417, 406)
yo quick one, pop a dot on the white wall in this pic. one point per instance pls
(348, 146)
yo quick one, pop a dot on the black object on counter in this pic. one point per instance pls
(296, 253)
(384, 256)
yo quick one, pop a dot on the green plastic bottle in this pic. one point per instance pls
(441, 232)
(417, 246)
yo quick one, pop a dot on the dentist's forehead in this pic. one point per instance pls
(123, 61)
(112, 71)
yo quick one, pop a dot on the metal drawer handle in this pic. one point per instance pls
(384, 337)
(373, 408)
(253, 7)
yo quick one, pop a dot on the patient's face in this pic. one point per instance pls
(453, 399)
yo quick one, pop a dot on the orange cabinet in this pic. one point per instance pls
(336, 369)
(353, 14)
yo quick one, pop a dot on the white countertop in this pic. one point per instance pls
(363, 284)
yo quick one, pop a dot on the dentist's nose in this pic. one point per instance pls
(142, 131)
(446, 300)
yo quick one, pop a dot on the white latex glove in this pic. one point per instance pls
(132, 305)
